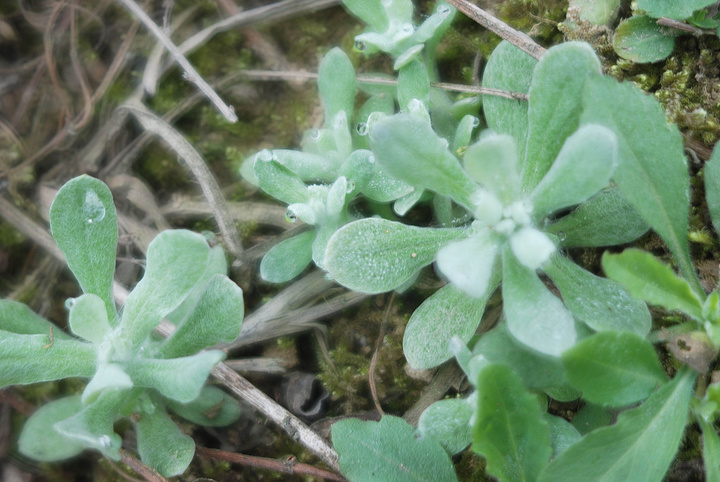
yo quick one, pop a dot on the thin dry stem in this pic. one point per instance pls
(192, 75)
(500, 28)
(146, 472)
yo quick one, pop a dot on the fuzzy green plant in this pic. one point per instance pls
(132, 373)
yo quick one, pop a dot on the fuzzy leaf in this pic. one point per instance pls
(535, 317)
(288, 258)
(336, 83)
(536, 370)
(447, 313)
(555, 105)
(213, 408)
(176, 261)
(600, 303)
(492, 161)
(510, 69)
(179, 379)
(413, 83)
(374, 255)
(591, 417)
(162, 445)
(216, 318)
(370, 12)
(88, 318)
(607, 219)
(448, 423)
(18, 318)
(83, 221)
(470, 263)
(389, 450)
(408, 149)
(278, 181)
(108, 375)
(614, 368)
(307, 166)
(582, 168)
(640, 39)
(464, 132)
(35, 358)
(648, 279)
(712, 187)
(382, 187)
(562, 434)
(40, 442)
(509, 429)
(93, 425)
(651, 170)
(672, 8)
(597, 12)
(711, 451)
(649, 433)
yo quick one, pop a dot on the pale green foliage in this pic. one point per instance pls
(129, 371)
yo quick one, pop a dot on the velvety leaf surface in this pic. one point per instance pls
(509, 429)
(448, 422)
(370, 12)
(278, 181)
(535, 316)
(651, 171)
(288, 258)
(18, 318)
(597, 12)
(600, 303)
(176, 261)
(582, 168)
(216, 318)
(306, 165)
(388, 450)
(38, 440)
(336, 83)
(35, 358)
(712, 187)
(179, 379)
(555, 105)
(88, 318)
(408, 149)
(413, 83)
(374, 255)
(93, 425)
(640, 39)
(639, 447)
(213, 408)
(107, 376)
(448, 312)
(562, 434)
(711, 451)
(83, 221)
(607, 219)
(672, 8)
(493, 162)
(470, 263)
(651, 280)
(536, 370)
(162, 445)
(591, 417)
(510, 69)
(614, 368)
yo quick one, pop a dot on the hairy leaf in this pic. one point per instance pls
(562, 434)
(39, 441)
(672, 8)
(640, 39)
(336, 83)
(288, 258)
(213, 408)
(448, 422)
(711, 451)
(162, 445)
(712, 187)
(18, 318)
(88, 318)
(83, 221)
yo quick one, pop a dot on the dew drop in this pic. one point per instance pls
(104, 441)
(265, 155)
(443, 10)
(69, 303)
(371, 159)
(561, 236)
(93, 209)
(290, 216)
(315, 134)
(475, 122)
(362, 129)
(408, 28)
(350, 186)
(360, 45)
(387, 3)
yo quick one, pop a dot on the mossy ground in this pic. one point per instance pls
(275, 114)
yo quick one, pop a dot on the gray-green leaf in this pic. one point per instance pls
(40, 442)
(712, 187)
(83, 221)
(213, 408)
(388, 450)
(336, 83)
(509, 429)
(18, 318)
(614, 368)
(162, 445)
(448, 422)
(641, 39)
(678, 10)
(288, 258)
(650, 433)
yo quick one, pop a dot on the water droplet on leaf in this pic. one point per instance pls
(350, 186)
(290, 216)
(265, 155)
(69, 303)
(475, 122)
(362, 129)
(443, 10)
(315, 134)
(371, 159)
(360, 45)
(561, 236)
(93, 209)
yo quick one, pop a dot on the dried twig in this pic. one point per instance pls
(685, 27)
(192, 75)
(195, 163)
(281, 417)
(131, 461)
(287, 466)
(500, 28)
(376, 355)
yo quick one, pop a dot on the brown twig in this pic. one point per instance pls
(131, 461)
(277, 414)
(685, 27)
(500, 28)
(286, 466)
(376, 354)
